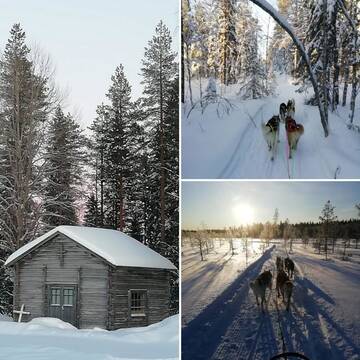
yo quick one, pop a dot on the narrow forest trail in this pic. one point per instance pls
(232, 327)
(233, 146)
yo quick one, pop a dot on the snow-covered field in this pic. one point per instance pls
(52, 339)
(233, 146)
(323, 321)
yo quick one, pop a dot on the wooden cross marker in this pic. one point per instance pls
(21, 312)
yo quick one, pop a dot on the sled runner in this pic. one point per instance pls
(285, 355)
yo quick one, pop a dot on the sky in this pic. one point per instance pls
(224, 204)
(87, 39)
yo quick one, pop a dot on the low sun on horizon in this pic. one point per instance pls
(243, 214)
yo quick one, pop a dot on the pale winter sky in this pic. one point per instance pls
(87, 39)
(224, 204)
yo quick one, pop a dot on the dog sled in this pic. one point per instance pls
(289, 356)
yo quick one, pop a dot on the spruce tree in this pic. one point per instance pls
(65, 156)
(91, 216)
(119, 167)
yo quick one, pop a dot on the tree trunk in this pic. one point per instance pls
(354, 86)
(346, 80)
(189, 74)
(162, 156)
(335, 56)
(182, 62)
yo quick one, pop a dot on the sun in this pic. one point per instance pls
(244, 214)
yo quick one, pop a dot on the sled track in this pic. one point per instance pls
(226, 172)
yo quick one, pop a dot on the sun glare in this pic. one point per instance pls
(244, 214)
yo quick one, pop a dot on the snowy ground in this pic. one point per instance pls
(52, 339)
(323, 322)
(233, 146)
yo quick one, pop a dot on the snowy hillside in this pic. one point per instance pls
(232, 146)
(52, 339)
(323, 321)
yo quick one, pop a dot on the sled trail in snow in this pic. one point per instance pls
(232, 147)
(318, 325)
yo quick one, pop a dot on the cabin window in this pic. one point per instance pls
(68, 297)
(55, 296)
(138, 302)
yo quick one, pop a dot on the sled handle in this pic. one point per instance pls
(283, 355)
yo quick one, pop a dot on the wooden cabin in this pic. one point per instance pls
(91, 277)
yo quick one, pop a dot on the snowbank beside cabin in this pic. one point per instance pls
(52, 339)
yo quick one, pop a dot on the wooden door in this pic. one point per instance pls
(62, 302)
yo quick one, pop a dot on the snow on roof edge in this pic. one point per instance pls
(157, 261)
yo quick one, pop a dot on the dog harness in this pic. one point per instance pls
(291, 125)
(273, 123)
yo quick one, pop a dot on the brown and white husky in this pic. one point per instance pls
(270, 132)
(293, 132)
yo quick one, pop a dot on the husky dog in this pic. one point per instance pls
(279, 263)
(289, 266)
(293, 132)
(282, 112)
(284, 286)
(290, 108)
(281, 279)
(259, 285)
(271, 133)
(288, 290)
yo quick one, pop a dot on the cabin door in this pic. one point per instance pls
(62, 302)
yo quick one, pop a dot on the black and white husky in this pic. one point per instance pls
(283, 112)
(271, 134)
(287, 110)
(290, 108)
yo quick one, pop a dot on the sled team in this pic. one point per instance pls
(293, 130)
(284, 285)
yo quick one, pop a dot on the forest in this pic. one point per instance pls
(325, 235)
(240, 65)
(121, 173)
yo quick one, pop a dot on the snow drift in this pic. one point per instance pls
(48, 338)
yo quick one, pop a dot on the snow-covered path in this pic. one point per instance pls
(323, 322)
(233, 147)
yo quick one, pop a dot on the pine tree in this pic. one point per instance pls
(253, 78)
(25, 102)
(65, 156)
(327, 217)
(158, 71)
(281, 56)
(227, 39)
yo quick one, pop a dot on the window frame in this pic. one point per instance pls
(143, 308)
(58, 296)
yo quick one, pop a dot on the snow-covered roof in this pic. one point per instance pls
(113, 246)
